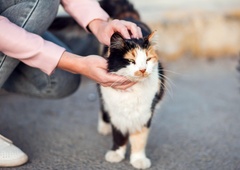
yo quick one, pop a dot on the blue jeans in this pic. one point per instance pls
(35, 16)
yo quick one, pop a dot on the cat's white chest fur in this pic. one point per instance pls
(130, 110)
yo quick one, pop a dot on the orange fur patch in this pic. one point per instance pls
(138, 140)
(151, 35)
(131, 55)
(151, 53)
(140, 74)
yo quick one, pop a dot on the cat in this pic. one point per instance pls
(127, 114)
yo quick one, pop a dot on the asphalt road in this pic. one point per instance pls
(196, 128)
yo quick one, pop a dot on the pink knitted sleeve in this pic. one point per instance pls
(84, 11)
(27, 47)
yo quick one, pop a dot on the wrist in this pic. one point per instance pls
(68, 62)
(95, 24)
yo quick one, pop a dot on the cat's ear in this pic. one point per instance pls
(117, 41)
(151, 38)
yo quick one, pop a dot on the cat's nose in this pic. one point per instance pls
(142, 70)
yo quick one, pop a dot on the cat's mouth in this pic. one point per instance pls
(139, 76)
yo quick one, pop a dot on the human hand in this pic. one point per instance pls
(103, 30)
(95, 68)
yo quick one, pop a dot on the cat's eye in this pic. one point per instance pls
(148, 59)
(132, 61)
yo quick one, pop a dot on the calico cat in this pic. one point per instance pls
(128, 114)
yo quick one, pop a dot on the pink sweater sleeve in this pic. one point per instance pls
(34, 50)
(27, 47)
(84, 11)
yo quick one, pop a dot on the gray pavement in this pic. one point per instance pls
(196, 128)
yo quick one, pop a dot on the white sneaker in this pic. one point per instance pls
(10, 155)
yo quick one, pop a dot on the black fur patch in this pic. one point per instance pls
(119, 8)
(159, 94)
(119, 139)
(105, 115)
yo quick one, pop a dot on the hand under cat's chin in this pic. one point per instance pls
(138, 78)
(128, 90)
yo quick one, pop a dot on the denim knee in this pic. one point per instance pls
(63, 84)
(32, 82)
(33, 15)
(43, 15)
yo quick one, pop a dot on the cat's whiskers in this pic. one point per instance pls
(166, 84)
(169, 90)
(168, 80)
(176, 73)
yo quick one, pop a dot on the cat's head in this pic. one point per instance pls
(134, 58)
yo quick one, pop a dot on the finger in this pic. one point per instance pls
(140, 32)
(121, 28)
(134, 29)
(116, 81)
(109, 32)
(119, 86)
(116, 78)
(110, 79)
(112, 84)
(126, 82)
(124, 86)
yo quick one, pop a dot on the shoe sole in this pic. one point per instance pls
(15, 162)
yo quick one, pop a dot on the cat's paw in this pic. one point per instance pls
(142, 163)
(113, 156)
(104, 128)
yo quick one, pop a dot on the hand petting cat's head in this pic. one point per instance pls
(133, 58)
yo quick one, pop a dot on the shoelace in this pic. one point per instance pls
(5, 139)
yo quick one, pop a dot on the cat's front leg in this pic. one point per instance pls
(104, 125)
(138, 142)
(118, 151)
